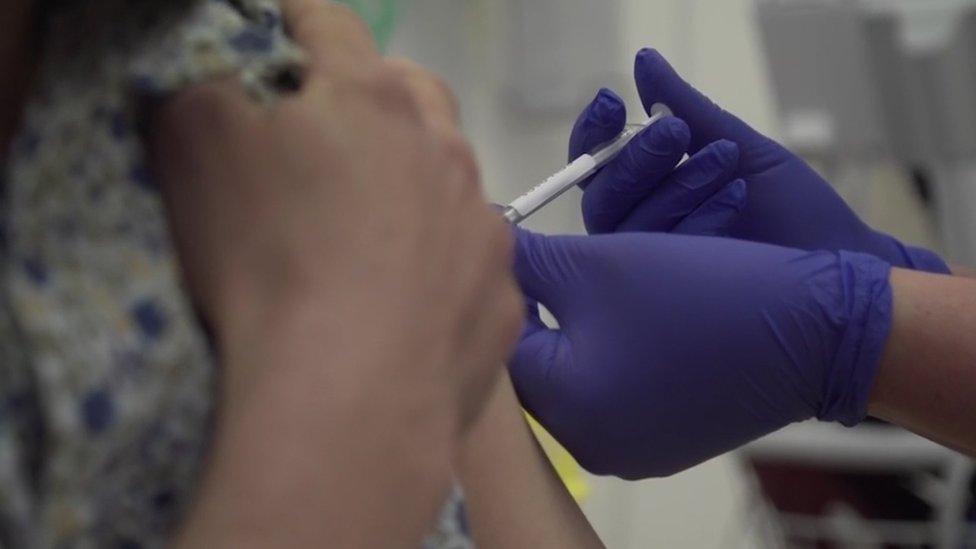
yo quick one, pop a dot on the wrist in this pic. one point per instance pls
(926, 375)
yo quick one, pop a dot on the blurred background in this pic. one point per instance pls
(879, 95)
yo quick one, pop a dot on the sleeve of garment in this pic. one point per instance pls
(20, 445)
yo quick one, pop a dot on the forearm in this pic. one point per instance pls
(927, 376)
(514, 497)
(304, 456)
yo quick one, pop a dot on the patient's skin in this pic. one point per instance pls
(514, 497)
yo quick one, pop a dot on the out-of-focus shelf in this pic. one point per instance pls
(866, 447)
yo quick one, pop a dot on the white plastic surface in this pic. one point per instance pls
(558, 183)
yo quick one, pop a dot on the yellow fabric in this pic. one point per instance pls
(567, 468)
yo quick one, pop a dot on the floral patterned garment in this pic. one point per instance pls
(107, 382)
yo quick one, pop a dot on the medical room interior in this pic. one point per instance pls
(878, 95)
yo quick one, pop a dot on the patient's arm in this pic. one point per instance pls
(514, 497)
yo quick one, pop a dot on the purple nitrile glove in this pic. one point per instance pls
(789, 203)
(674, 349)
(700, 195)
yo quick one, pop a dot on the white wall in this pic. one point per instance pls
(715, 45)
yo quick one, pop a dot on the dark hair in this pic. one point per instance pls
(82, 17)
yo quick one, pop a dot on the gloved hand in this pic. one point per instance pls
(789, 203)
(674, 349)
(699, 197)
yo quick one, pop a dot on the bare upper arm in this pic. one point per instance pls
(514, 497)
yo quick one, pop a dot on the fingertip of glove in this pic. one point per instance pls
(678, 128)
(650, 66)
(726, 151)
(719, 158)
(527, 246)
(738, 190)
(669, 135)
(651, 58)
(607, 108)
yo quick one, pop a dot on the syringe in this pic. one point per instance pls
(578, 170)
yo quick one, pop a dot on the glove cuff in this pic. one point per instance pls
(865, 284)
